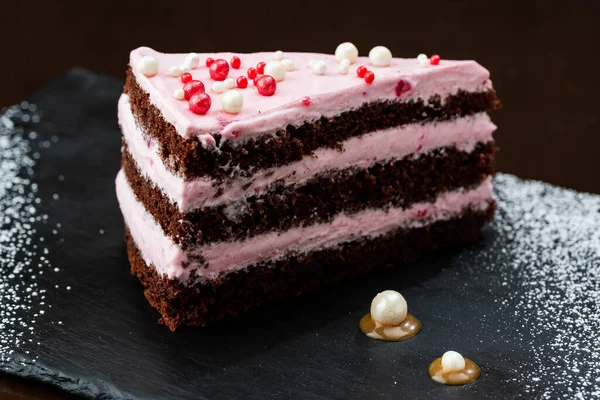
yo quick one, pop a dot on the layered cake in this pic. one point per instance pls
(253, 177)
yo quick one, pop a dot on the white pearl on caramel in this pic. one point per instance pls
(380, 56)
(389, 308)
(232, 102)
(346, 51)
(453, 361)
(276, 69)
(147, 66)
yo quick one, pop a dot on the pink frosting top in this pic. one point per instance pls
(329, 94)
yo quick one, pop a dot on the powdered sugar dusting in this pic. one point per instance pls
(551, 239)
(23, 257)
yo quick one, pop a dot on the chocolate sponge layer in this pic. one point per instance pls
(189, 159)
(396, 183)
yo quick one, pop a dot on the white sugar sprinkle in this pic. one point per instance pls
(549, 270)
(20, 261)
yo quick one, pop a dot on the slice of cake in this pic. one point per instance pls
(252, 177)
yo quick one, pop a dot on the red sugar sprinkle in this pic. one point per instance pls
(242, 82)
(209, 61)
(235, 62)
(369, 77)
(360, 71)
(435, 59)
(260, 67)
(266, 85)
(219, 70)
(186, 77)
(306, 101)
(200, 103)
(252, 72)
(192, 87)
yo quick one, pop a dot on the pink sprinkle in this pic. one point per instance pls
(421, 213)
(306, 101)
(420, 147)
(402, 87)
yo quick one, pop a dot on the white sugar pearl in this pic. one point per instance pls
(344, 67)
(276, 70)
(232, 102)
(453, 361)
(422, 59)
(179, 94)
(279, 55)
(218, 87)
(319, 68)
(229, 83)
(175, 71)
(311, 63)
(147, 66)
(288, 64)
(191, 61)
(346, 51)
(389, 308)
(380, 56)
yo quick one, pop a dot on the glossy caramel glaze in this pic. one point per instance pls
(454, 378)
(390, 333)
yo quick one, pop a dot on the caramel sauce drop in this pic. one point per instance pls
(390, 333)
(454, 378)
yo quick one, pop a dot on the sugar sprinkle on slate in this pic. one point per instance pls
(22, 253)
(549, 239)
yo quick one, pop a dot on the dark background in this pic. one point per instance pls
(543, 55)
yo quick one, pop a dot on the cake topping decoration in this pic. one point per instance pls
(200, 103)
(380, 56)
(209, 61)
(191, 61)
(453, 369)
(278, 55)
(217, 87)
(276, 69)
(193, 87)
(266, 85)
(288, 64)
(260, 67)
(422, 59)
(219, 70)
(319, 67)
(241, 82)
(344, 67)
(346, 51)
(311, 63)
(389, 319)
(306, 101)
(175, 71)
(360, 71)
(186, 77)
(179, 94)
(235, 62)
(229, 83)
(369, 77)
(252, 72)
(147, 66)
(232, 102)
(435, 59)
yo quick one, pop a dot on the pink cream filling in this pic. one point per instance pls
(395, 143)
(159, 250)
(329, 94)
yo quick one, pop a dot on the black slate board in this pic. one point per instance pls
(108, 342)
